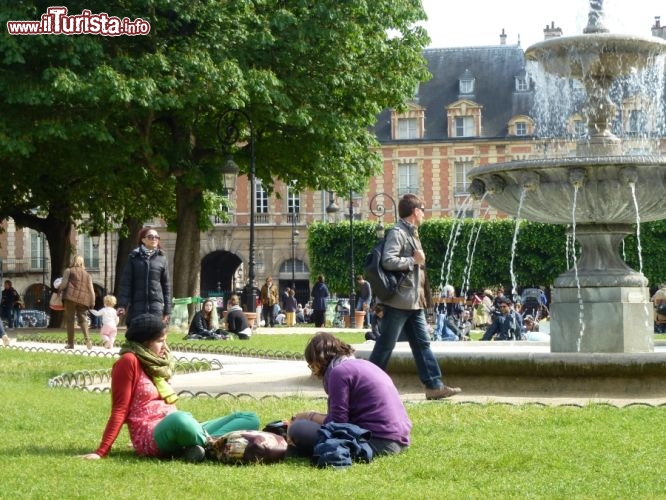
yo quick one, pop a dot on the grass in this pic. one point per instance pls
(458, 450)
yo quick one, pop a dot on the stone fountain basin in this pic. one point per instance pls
(597, 55)
(529, 369)
(604, 195)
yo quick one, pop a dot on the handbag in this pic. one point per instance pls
(246, 447)
(55, 302)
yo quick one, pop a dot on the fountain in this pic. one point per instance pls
(600, 305)
(601, 330)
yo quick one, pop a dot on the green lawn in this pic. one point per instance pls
(458, 450)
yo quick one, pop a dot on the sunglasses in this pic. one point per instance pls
(152, 237)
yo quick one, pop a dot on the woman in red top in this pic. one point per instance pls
(143, 399)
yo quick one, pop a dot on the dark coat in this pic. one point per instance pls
(319, 296)
(145, 286)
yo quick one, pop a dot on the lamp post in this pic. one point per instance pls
(231, 137)
(294, 233)
(378, 209)
(352, 294)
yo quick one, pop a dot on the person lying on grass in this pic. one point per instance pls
(359, 392)
(142, 398)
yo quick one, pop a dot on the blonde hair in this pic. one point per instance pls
(234, 300)
(77, 261)
(110, 301)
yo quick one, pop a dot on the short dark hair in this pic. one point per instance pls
(407, 204)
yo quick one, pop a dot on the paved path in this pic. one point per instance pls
(259, 378)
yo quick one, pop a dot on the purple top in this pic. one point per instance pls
(361, 393)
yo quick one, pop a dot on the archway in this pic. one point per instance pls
(217, 273)
(301, 275)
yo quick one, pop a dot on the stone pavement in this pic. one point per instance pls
(258, 378)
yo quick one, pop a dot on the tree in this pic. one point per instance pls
(312, 74)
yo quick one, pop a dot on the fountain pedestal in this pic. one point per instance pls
(615, 320)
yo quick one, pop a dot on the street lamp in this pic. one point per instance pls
(231, 137)
(352, 294)
(294, 233)
(378, 209)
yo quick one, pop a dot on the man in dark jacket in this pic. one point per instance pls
(145, 285)
(508, 325)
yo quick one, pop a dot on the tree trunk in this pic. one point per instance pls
(186, 270)
(125, 245)
(58, 232)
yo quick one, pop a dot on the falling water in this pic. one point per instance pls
(453, 241)
(471, 249)
(514, 281)
(624, 252)
(573, 247)
(632, 185)
(569, 251)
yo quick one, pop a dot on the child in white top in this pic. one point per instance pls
(110, 321)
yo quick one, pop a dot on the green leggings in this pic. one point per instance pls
(180, 429)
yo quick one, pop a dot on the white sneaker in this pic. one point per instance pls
(5, 340)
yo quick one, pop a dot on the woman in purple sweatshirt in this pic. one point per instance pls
(359, 393)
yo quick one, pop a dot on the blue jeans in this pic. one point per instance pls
(414, 324)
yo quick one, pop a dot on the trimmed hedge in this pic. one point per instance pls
(540, 252)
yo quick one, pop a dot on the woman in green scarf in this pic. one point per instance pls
(143, 399)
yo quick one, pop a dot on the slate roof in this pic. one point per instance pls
(494, 69)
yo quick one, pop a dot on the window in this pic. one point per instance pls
(408, 178)
(521, 84)
(37, 250)
(293, 206)
(407, 128)
(521, 128)
(579, 128)
(90, 253)
(261, 199)
(467, 86)
(464, 126)
(462, 183)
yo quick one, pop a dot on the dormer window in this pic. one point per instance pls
(521, 84)
(409, 124)
(520, 125)
(464, 119)
(466, 82)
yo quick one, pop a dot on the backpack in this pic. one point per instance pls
(384, 283)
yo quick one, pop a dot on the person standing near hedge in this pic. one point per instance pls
(319, 296)
(145, 285)
(405, 310)
(78, 295)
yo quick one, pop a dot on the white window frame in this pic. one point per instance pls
(408, 178)
(521, 128)
(261, 198)
(461, 184)
(466, 86)
(464, 126)
(407, 128)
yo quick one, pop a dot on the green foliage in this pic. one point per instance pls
(540, 254)
(329, 249)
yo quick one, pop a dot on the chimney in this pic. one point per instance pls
(551, 31)
(658, 29)
(503, 38)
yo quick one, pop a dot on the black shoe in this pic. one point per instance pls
(193, 454)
